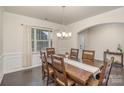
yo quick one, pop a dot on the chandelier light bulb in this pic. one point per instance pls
(58, 34)
(69, 34)
(66, 35)
(63, 34)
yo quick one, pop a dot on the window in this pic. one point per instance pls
(41, 39)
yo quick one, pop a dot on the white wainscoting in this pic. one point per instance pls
(13, 62)
(1, 69)
(62, 51)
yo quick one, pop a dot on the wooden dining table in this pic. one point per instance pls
(80, 76)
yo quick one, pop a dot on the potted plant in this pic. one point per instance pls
(119, 49)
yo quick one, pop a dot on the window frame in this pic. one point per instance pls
(50, 38)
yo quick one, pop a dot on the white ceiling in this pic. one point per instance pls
(54, 13)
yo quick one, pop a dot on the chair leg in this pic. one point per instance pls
(55, 82)
(47, 80)
(43, 75)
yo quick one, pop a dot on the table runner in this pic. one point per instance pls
(89, 68)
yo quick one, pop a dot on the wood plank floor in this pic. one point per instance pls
(33, 77)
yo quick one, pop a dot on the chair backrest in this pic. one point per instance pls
(44, 61)
(59, 70)
(50, 51)
(74, 54)
(105, 73)
(88, 55)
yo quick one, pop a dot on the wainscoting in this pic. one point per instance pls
(1, 69)
(62, 51)
(13, 62)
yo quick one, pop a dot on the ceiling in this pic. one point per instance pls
(54, 13)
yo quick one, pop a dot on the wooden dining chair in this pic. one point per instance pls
(47, 70)
(50, 51)
(74, 54)
(88, 56)
(60, 75)
(104, 76)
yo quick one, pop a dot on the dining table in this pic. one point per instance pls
(79, 71)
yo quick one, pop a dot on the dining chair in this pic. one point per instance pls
(50, 51)
(104, 76)
(88, 56)
(108, 72)
(47, 70)
(60, 75)
(74, 54)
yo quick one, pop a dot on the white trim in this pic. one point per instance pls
(20, 69)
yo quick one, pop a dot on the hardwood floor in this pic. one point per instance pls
(33, 77)
(30, 77)
(116, 76)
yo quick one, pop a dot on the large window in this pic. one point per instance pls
(41, 39)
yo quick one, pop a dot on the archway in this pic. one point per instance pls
(101, 37)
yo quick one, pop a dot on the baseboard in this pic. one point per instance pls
(20, 69)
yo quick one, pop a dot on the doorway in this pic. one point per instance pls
(81, 42)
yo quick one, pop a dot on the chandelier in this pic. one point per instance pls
(63, 34)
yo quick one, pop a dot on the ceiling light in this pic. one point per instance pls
(63, 34)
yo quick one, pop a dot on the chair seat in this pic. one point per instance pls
(69, 82)
(93, 83)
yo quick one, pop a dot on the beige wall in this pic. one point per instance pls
(1, 26)
(13, 31)
(1, 42)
